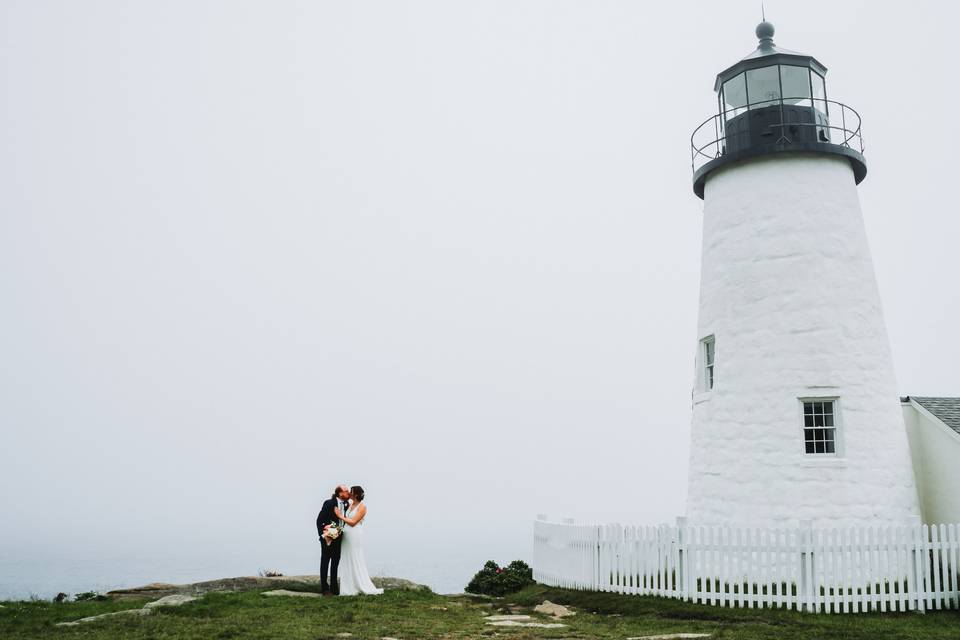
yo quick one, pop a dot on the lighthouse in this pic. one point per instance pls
(796, 414)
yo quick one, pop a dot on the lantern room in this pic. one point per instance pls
(773, 101)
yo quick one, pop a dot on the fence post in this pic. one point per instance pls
(806, 586)
(681, 558)
(596, 557)
(917, 566)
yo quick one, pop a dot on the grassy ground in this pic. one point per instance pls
(411, 614)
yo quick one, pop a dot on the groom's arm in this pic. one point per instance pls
(324, 517)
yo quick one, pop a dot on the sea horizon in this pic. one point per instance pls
(44, 573)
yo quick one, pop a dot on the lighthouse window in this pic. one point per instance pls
(819, 427)
(763, 86)
(735, 96)
(796, 84)
(709, 348)
(819, 93)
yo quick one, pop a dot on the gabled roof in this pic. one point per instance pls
(947, 410)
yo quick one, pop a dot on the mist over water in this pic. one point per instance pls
(447, 251)
(445, 568)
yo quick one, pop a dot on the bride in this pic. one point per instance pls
(354, 578)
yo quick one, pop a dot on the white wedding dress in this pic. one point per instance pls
(354, 578)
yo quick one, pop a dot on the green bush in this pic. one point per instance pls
(493, 580)
(87, 596)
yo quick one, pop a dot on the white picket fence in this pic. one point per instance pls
(912, 568)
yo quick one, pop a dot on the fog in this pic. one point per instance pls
(445, 250)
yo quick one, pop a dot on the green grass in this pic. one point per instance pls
(410, 614)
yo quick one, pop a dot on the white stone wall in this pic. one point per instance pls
(788, 289)
(936, 462)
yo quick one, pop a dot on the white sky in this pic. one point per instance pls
(446, 250)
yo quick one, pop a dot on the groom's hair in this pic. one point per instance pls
(336, 492)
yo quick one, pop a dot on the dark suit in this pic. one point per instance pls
(329, 554)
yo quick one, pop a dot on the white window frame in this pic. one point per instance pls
(708, 369)
(837, 428)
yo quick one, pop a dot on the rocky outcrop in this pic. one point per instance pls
(520, 621)
(551, 609)
(244, 583)
(291, 594)
(147, 609)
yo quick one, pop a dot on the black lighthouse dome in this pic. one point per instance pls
(774, 101)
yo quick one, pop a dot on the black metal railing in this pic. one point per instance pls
(835, 123)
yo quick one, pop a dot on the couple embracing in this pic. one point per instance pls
(340, 527)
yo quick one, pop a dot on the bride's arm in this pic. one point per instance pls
(355, 520)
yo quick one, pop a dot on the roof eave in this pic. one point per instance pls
(798, 59)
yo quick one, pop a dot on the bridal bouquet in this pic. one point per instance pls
(331, 533)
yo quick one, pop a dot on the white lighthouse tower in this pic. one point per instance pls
(795, 407)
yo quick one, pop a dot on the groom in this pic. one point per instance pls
(330, 553)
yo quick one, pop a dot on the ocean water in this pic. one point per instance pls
(42, 573)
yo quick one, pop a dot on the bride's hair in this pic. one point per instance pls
(357, 493)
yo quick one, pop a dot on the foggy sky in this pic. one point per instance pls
(445, 250)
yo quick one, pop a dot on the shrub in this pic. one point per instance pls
(89, 595)
(493, 580)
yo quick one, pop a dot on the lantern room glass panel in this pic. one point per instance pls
(821, 106)
(819, 93)
(796, 84)
(734, 96)
(763, 86)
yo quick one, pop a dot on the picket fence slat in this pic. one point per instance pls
(851, 570)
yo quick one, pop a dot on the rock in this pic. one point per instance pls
(292, 594)
(555, 610)
(672, 636)
(344, 635)
(166, 601)
(388, 584)
(388, 638)
(128, 612)
(175, 600)
(437, 607)
(244, 583)
(507, 618)
(538, 625)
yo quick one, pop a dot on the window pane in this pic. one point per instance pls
(819, 92)
(796, 84)
(819, 427)
(763, 86)
(735, 96)
(819, 88)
